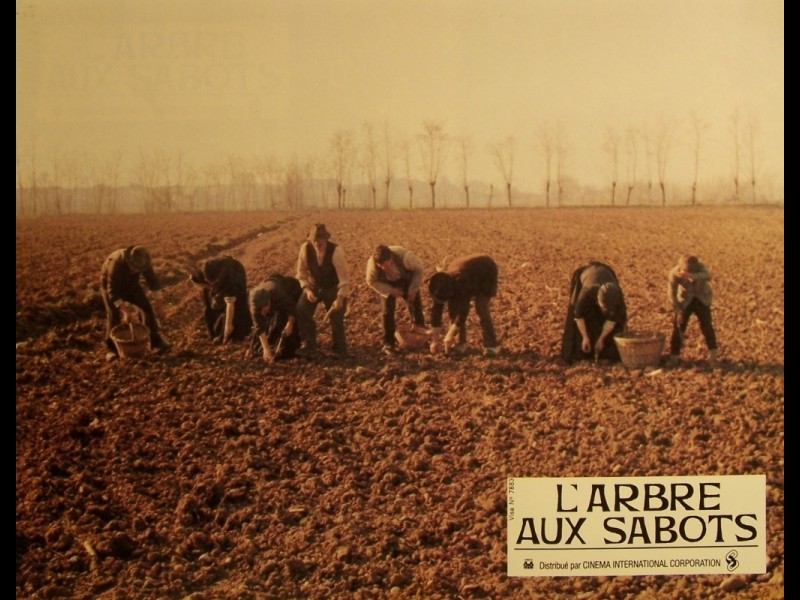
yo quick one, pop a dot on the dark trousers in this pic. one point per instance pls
(388, 306)
(215, 321)
(275, 326)
(703, 313)
(308, 327)
(485, 317)
(113, 317)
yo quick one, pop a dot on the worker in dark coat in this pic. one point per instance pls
(273, 306)
(596, 313)
(226, 313)
(122, 292)
(463, 280)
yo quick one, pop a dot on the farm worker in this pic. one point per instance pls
(596, 313)
(464, 279)
(689, 292)
(324, 276)
(395, 272)
(122, 293)
(224, 287)
(273, 306)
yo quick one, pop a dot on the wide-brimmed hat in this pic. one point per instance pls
(318, 232)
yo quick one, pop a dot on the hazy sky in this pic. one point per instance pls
(212, 78)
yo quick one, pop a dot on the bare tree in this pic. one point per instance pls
(106, 187)
(56, 183)
(562, 155)
(491, 195)
(465, 152)
(20, 183)
(146, 176)
(33, 181)
(293, 184)
(405, 149)
(663, 145)
(269, 171)
(611, 144)
(631, 158)
(547, 144)
(735, 127)
(214, 177)
(751, 138)
(648, 155)
(433, 147)
(191, 179)
(503, 154)
(178, 196)
(235, 168)
(699, 127)
(370, 161)
(387, 162)
(342, 148)
(73, 173)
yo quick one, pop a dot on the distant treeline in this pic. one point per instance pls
(321, 194)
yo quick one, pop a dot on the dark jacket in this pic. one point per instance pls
(119, 282)
(282, 292)
(470, 277)
(584, 285)
(323, 276)
(227, 277)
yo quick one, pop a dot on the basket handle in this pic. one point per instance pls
(131, 314)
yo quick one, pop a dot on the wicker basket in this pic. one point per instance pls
(131, 339)
(411, 337)
(640, 349)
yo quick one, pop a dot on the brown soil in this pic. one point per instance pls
(205, 474)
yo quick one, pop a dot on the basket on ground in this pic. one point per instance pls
(640, 349)
(411, 337)
(131, 339)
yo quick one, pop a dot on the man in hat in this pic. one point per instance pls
(324, 277)
(224, 285)
(464, 279)
(394, 272)
(273, 305)
(596, 313)
(122, 292)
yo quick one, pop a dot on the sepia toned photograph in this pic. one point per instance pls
(303, 287)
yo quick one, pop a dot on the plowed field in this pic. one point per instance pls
(202, 473)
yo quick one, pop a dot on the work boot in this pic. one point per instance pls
(712, 359)
(389, 350)
(458, 349)
(673, 361)
(160, 345)
(307, 351)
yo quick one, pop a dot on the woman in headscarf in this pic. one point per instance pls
(596, 313)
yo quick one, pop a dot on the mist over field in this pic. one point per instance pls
(570, 102)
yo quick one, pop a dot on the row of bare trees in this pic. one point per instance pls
(658, 144)
(369, 158)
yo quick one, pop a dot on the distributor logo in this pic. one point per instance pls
(730, 559)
